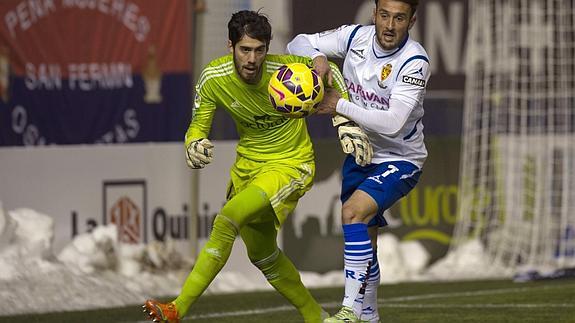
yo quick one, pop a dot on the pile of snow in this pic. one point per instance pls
(96, 271)
(401, 261)
(468, 261)
(93, 271)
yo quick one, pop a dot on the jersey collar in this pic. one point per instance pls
(382, 53)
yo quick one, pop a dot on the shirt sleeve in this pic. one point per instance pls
(202, 114)
(331, 43)
(386, 122)
(411, 81)
(339, 83)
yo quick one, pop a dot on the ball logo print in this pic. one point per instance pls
(295, 90)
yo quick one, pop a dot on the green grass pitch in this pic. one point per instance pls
(469, 301)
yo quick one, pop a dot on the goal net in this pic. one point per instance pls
(517, 173)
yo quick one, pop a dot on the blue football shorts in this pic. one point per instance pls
(386, 183)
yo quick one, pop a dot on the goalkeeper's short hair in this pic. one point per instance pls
(251, 23)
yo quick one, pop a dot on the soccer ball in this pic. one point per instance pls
(295, 90)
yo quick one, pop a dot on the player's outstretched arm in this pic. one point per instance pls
(199, 149)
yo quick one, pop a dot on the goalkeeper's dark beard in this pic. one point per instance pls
(250, 76)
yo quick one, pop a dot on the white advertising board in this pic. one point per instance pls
(145, 188)
(148, 189)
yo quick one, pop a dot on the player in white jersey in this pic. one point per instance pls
(386, 73)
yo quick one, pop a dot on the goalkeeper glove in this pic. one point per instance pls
(353, 139)
(199, 153)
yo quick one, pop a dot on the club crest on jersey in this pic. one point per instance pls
(385, 71)
(413, 81)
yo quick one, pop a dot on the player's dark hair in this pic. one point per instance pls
(412, 3)
(251, 23)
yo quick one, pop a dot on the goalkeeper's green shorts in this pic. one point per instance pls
(284, 181)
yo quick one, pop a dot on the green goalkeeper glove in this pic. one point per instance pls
(199, 153)
(353, 139)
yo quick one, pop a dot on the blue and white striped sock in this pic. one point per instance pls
(358, 254)
(370, 312)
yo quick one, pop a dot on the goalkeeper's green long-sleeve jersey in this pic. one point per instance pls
(265, 134)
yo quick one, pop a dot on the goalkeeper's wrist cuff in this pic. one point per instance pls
(338, 120)
(189, 139)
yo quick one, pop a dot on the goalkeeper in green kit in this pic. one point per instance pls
(274, 167)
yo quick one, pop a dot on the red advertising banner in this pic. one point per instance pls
(93, 71)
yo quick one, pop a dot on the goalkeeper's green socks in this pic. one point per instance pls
(284, 277)
(211, 259)
(241, 209)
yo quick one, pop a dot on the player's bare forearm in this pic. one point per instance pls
(329, 103)
(321, 65)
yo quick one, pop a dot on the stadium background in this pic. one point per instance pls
(97, 100)
(94, 100)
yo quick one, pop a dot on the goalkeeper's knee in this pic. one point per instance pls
(247, 205)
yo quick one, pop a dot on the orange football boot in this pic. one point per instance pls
(159, 312)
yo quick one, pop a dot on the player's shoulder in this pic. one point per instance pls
(220, 61)
(348, 29)
(412, 56)
(414, 49)
(359, 36)
(364, 30)
(413, 60)
(275, 61)
(218, 69)
(281, 59)
(355, 32)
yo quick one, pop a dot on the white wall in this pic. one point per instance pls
(88, 181)
(62, 180)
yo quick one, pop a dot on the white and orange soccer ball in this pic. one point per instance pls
(295, 90)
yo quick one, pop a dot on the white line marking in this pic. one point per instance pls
(477, 305)
(392, 302)
(473, 293)
(240, 313)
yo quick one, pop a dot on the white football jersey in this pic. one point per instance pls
(373, 76)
